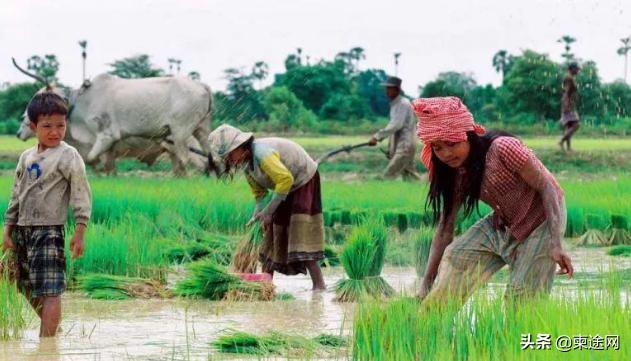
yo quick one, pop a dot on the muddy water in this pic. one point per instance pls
(181, 330)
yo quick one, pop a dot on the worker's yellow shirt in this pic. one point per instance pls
(279, 165)
(277, 173)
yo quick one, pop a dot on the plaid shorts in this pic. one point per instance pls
(41, 259)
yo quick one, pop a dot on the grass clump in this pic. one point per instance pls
(12, 304)
(363, 258)
(211, 281)
(620, 250)
(110, 287)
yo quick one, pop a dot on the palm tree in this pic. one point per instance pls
(171, 62)
(356, 54)
(567, 41)
(624, 51)
(194, 75)
(260, 70)
(83, 44)
(396, 63)
(501, 62)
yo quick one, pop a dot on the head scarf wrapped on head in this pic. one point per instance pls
(442, 119)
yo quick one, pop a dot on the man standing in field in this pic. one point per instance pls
(401, 129)
(569, 116)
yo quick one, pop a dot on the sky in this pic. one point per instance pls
(210, 36)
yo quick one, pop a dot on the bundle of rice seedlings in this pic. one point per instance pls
(331, 258)
(284, 296)
(619, 234)
(593, 237)
(239, 342)
(402, 222)
(620, 250)
(245, 343)
(423, 246)
(363, 258)
(187, 253)
(110, 287)
(209, 280)
(331, 340)
(219, 251)
(247, 254)
(415, 220)
(345, 217)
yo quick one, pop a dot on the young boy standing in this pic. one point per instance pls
(49, 177)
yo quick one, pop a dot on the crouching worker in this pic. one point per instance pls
(49, 177)
(292, 220)
(524, 230)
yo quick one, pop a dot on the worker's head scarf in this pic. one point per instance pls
(442, 119)
(222, 141)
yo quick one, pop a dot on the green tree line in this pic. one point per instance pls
(330, 94)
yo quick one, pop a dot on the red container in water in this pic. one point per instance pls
(255, 277)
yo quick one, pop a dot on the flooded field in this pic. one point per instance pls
(176, 329)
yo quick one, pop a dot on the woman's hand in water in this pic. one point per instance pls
(563, 260)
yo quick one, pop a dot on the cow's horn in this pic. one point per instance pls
(34, 76)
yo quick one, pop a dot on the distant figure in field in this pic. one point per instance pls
(401, 129)
(569, 116)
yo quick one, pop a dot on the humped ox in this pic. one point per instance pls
(112, 117)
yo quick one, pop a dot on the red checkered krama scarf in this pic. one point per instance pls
(442, 118)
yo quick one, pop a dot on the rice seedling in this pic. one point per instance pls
(182, 209)
(12, 303)
(208, 280)
(620, 250)
(363, 258)
(423, 246)
(109, 287)
(128, 248)
(246, 256)
(489, 328)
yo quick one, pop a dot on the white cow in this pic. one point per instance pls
(110, 109)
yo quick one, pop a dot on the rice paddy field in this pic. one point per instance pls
(156, 280)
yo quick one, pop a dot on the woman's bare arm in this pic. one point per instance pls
(535, 175)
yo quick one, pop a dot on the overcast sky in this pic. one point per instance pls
(210, 36)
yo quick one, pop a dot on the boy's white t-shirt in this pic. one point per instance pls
(46, 184)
